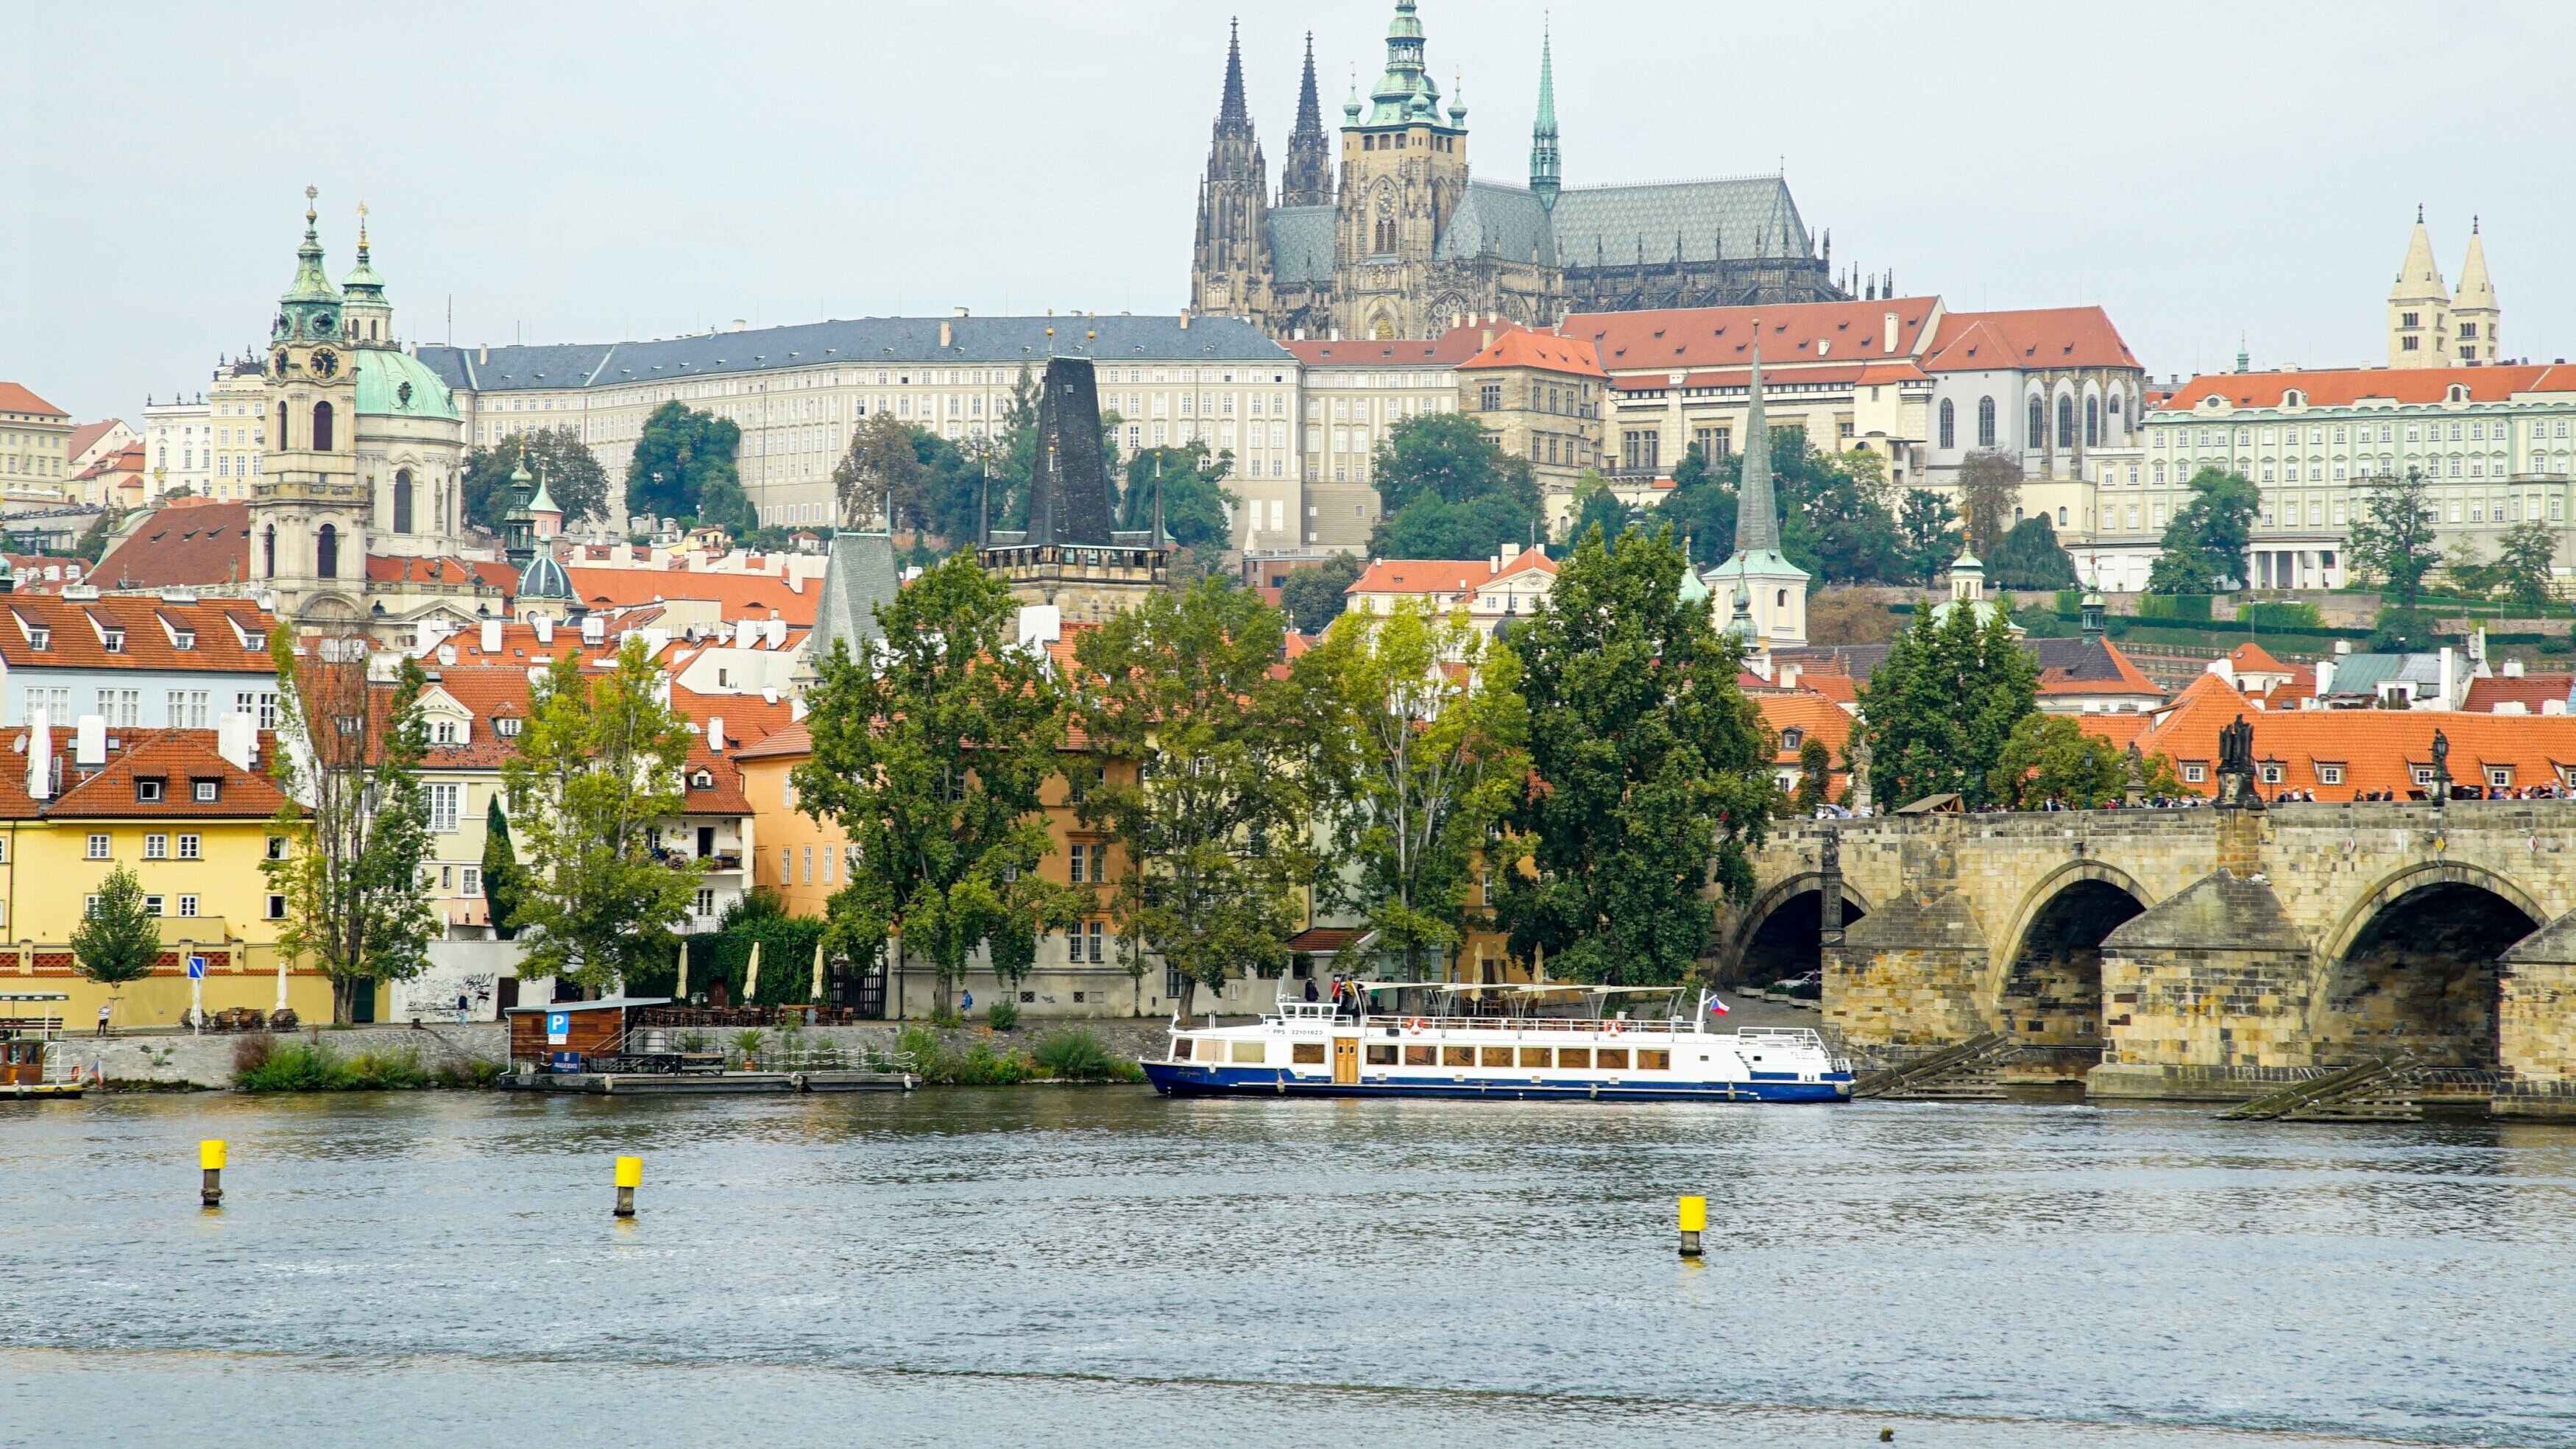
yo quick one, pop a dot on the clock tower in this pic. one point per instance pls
(307, 514)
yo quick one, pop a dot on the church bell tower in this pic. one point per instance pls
(1230, 264)
(307, 515)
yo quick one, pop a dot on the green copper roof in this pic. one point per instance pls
(310, 306)
(543, 502)
(1406, 93)
(397, 384)
(362, 281)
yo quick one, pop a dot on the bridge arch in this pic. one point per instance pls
(2044, 983)
(1784, 928)
(2410, 967)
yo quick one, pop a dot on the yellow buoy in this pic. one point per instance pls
(630, 1176)
(1694, 1216)
(210, 1158)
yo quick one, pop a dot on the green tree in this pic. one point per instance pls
(1448, 490)
(2203, 551)
(1929, 540)
(1207, 781)
(558, 456)
(1940, 707)
(1598, 507)
(1196, 503)
(94, 540)
(1313, 595)
(2393, 538)
(930, 751)
(596, 774)
(1989, 490)
(2522, 565)
(881, 470)
(2030, 558)
(2050, 759)
(684, 468)
(505, 881)
(1652, 771)
(1429, 757)
(1815, 779)
(1701, 508)
(118, 940)
(1842, 500)
(356, 816)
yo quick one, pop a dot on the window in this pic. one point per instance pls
(1949, 424)
(156, 847)
(2500, 776)
(276, 907)
(507, 727)
(1611, 1059)
(1489, 398)
(154, 906)
(445, 803)
(277, 847)
(2066, 420)
(1081, 857)
(39, 637)
(1640, 449)
(112, 640)
(147, 789)
(207, 791)
(2194, 772)
(1306, 1053)
(1654, 1059)
(444, 732)
(2329, 774)
(192, 847)
(1094, 933)
(98, 847)
(706, 904)
(1381, 1054)
(187, 905)
(470, 880)
(2271, 774)
(89, 907)
(2092, 422)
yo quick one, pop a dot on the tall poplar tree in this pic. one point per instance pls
(1940, 708)
(1651, 768)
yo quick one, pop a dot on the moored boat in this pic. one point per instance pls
(1512, 1041)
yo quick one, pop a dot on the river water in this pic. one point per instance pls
(1043, 1267)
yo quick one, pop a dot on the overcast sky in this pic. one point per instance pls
(573, 173)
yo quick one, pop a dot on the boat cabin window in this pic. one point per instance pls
(1574, 1056)
(1497, 1056)
(1250, 1051)
(1533, 1056)
(1381, 1054)
(1654, 1059)
(1181, 1048)
(1421, 1056)
(1307, 1053)
(1611, 1059)
(1457, 1056)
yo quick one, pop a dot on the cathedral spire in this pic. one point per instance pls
(1544, 174)
(1232, 113)
(1306, 178)
(1757, 525)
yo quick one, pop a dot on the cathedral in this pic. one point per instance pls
(1398, 240)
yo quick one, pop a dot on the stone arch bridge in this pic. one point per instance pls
(2191, 953)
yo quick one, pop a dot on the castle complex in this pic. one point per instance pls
(1403, 242)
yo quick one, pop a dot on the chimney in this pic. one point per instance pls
(2513, 669)
(237, 738)
(1040, 624)
(491, 636)
(2443, 698)
(2325, 675)
(715, 734)
(742, 633)
(40, 754)
(1891, 332)
(89, 742)
(545, 624)
(1185, 319)
(946, 338)
(594, 629)
(777, 632)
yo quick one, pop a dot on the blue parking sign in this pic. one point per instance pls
(196, 968)
(558, 1028)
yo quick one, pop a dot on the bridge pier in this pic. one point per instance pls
(2536, 1024)
(2205, 996)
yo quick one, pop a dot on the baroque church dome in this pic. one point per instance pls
(544, 579)
(397, 384)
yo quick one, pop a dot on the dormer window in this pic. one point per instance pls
(1792, 738)
(446, 732)
(148, 789)
(507, 727)
(703, 780)
(208, 791)
(112, 640)
(183, 639)
(39, 637)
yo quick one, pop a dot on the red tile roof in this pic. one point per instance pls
(2252, 658)
(1449, 349)
(2031, 337)
(1543, 350)
(86, 434)
(2344, 386)
(1793, 334)
(2127, 678)
(2376, 749)
(1443, 576)
(230, 635)
(16, 399)
(2532, 691)
(792, 740)
(1810, 713)
(188, 543)
(1900, 370)
(178, 759)
(393, 569)
(737, 596)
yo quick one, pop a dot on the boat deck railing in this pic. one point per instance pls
(1409, 1025)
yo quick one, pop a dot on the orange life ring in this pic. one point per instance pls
(1617, 1026)
(1413, 1023)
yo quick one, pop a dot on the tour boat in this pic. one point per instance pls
(1517, 1041)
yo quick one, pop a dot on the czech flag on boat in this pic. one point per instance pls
(1717, 1006)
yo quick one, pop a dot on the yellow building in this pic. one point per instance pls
(191, 812)
(1538, 395)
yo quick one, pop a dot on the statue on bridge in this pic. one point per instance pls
(2236, 788)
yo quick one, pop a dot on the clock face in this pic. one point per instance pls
(326, 363)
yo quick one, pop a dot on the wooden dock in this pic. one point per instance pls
(691, 1084)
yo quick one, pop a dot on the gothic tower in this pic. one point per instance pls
(2477, 318)
(2419, 307)
(307, 513)
(1230, 266)
(1307, 178)
(1404, 172)
(1545, 178)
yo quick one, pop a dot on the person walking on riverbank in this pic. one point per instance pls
(103, 1010)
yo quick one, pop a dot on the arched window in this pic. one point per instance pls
(2092, 422)
(281, 425)
(402, 501)
(1985, 422)
(268, 551)
(2066, 420)
(2038, 435)
(326, 550)
(321, 427)
(1949, 424)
